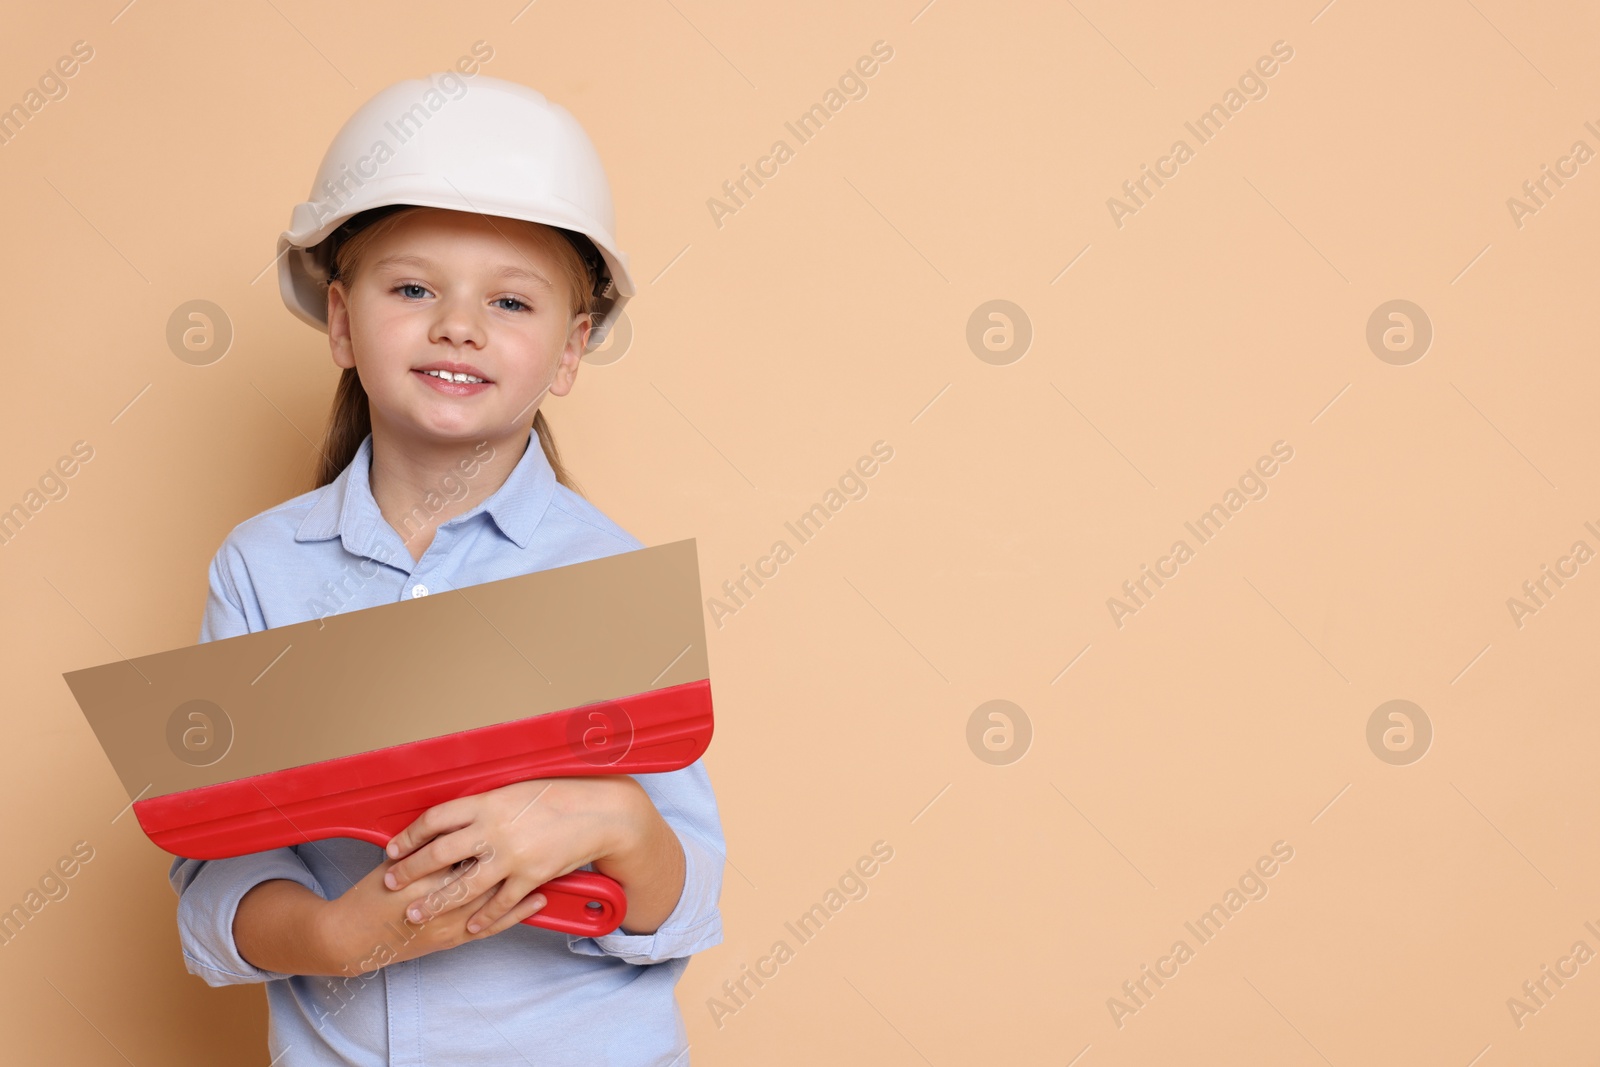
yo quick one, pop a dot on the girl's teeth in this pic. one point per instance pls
(447, 376)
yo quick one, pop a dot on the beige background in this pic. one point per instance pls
(829, 313)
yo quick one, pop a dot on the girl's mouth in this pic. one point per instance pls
(450, 386)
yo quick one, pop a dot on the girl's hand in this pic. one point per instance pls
(368, 927)
(525, 834)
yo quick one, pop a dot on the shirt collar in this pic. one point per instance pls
(346, 508)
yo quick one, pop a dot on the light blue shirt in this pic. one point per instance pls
(526, 996)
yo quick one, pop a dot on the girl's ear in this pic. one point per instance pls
(571, 356)
(339, 327)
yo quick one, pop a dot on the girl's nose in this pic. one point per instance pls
(458, 320)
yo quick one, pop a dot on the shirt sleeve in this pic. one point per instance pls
(209, 891)
(686, 801)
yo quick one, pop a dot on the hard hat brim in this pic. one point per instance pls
(303, 278)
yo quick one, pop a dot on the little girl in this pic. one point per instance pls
(458, 251)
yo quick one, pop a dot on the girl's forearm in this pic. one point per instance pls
(650, 868)
(275, 928)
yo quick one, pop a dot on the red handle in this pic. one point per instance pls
(374, 795)
(582, 902)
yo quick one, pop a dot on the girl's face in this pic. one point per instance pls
(458, 291)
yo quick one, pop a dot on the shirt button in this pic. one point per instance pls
(418, 590)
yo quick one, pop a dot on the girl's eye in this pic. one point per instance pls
(404, 289)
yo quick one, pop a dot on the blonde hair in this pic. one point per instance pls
(350, 419)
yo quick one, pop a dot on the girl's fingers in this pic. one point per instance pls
(470, 906)
(439, 819)
(526, 907)
(437, 855)
(512, 892)
(452, 890)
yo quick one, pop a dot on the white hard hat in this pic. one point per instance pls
(476, 144)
